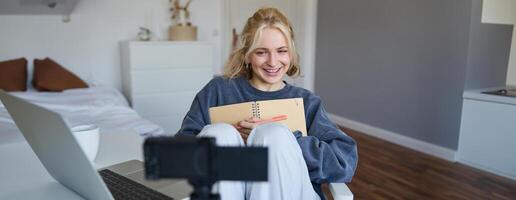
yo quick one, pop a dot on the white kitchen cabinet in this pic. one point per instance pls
(160, 79)
(488, 133)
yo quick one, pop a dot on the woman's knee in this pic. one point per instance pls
(272, 133)
(225, 134)
(281, 144)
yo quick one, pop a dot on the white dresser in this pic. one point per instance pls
(160, 79)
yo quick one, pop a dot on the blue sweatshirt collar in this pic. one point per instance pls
(256, 92)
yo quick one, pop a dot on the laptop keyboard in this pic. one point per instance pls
(127, 189)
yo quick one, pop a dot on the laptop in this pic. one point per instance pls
(53, 143)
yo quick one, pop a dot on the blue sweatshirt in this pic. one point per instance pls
(331, 155)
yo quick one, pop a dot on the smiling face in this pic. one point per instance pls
(270, 60)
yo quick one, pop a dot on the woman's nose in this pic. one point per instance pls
(273, 59)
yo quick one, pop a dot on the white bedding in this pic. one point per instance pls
(104, 106)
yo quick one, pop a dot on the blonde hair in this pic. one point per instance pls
(261, 19)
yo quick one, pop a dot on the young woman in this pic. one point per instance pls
(254, 72)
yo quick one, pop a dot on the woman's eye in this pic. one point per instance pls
(283, 51)
(260, 53)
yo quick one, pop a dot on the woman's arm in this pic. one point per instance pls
(194, 120)
(331, 155)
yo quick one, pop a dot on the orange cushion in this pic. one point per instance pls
(50, 76)
(13, 75)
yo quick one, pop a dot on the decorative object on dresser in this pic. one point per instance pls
(182, 29)
(161, 79)
(144, 34)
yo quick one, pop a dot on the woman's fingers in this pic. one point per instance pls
(244, 137)
(246, 126)
(249, 123)
(253, 119)
(244, 132)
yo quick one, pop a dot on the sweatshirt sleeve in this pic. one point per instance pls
(194, 120)
(330, 154)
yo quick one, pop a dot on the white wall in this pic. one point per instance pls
(503, 12)
(88, 45)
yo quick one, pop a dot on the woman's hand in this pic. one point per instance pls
(246, 126)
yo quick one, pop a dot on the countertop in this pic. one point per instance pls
(476, 94)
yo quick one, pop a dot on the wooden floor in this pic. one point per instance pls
(389, 171)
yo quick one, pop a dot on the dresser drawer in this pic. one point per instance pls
(163, 104)
(170, 124)
(154, 81)
(157, 55)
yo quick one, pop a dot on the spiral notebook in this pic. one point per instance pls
(293, 109)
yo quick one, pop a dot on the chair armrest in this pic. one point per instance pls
(340, 191)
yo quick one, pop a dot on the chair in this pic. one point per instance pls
(340, 191)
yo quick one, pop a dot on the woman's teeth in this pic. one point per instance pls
(272, 70)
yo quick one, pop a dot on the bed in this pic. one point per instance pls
(104, 106)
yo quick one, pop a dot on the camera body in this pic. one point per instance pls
(199, 160)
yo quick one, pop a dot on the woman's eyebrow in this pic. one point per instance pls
(266, 49)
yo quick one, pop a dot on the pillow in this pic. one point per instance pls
(13, 75)
(50, 76)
